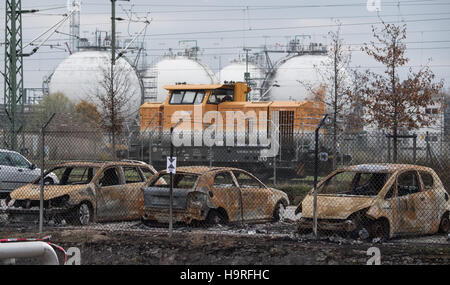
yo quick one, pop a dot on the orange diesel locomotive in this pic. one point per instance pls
(209, 107)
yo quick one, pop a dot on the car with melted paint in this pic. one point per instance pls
(215, 195)
(86, 192)
(383, 200)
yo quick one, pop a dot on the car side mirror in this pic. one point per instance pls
(33, 166)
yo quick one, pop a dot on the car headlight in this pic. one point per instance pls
(59, 201)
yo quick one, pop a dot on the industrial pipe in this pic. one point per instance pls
(33, 249)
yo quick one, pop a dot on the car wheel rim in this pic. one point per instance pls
(281, 211)
(445, 225)
(84, 214)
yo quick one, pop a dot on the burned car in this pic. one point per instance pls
(380, 200)
(86, 192)
(215, 195)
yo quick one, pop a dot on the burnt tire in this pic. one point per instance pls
(215, 217)
(444, 226)
(278, 212)
(380, 229)
(82, 215)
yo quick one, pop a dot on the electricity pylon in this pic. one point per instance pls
(13, 95)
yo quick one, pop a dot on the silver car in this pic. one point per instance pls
(16, 171)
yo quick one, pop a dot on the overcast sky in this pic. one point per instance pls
(223, 28)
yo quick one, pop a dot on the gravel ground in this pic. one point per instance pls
(269, 243)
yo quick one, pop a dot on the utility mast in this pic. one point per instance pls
(13, 92)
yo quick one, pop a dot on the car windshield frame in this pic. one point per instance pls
(375, 184)
(95, 170)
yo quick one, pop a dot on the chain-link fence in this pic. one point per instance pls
(88, 184)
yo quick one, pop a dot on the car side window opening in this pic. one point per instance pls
(132, 175)
(246, 181)
(187, 97)
(223, 180)
(147, 172)
(109, 177)
(17, 160)
(180, 181)
(221, 95)
(407, 183)
(4, 159)
(390, 193)
(427, 180)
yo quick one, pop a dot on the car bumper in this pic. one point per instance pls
(328, 225)
(179, 215)
(23, 215)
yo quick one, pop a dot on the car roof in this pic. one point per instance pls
(7, 150)
(200, 170)
(385, 167)
(103, 163)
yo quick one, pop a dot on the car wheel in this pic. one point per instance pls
(380, 229)
(278, 212)
(444, 226)
(82, 215)
(216, 218)
(48, 181)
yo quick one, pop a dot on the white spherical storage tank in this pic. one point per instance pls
(295, 77)
(177, 69)
(80, 77)
(235, 72)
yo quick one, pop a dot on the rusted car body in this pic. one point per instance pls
(386, 200)
(86, 192)
(213, 195)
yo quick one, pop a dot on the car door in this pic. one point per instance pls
(134, 199)
(226, 194)
(23, 169)
(413, 205)
(110, 195)
(256, 198)
(6, 174)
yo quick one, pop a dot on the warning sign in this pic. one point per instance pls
(323, 156)
(171, 165)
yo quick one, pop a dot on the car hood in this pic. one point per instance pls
(334, 206)
(32, 191)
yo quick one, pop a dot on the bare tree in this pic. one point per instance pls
(391, 103)
(333, 89)
(355, 120)
(113, 97)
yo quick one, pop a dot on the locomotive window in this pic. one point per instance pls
(176, 98)
(221, 95)
(199, 97)
(187, 97)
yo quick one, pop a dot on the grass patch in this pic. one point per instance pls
(295, 192)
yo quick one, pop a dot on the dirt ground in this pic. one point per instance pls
(265, 244)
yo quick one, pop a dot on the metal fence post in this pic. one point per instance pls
(171, 181)
(41, 192)
(415, 148)
(316, 171)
